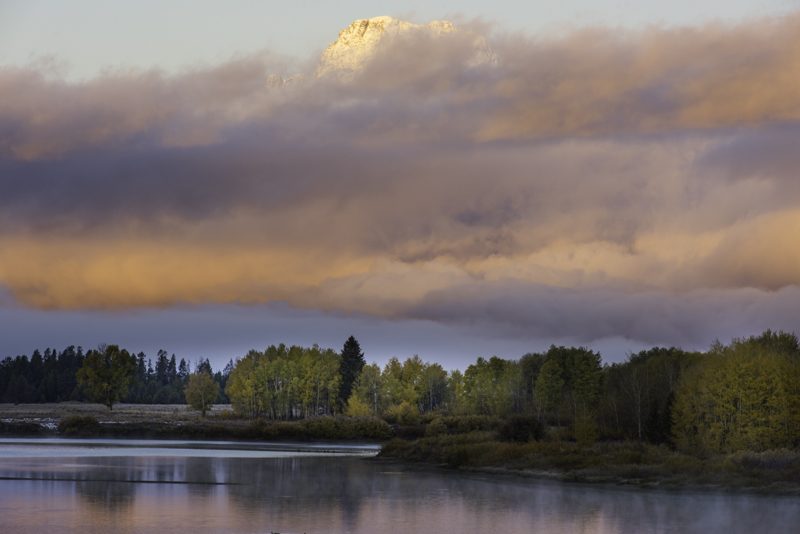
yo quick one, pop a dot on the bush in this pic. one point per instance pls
(393, 447)
(463, 424)
(472, 423)
(521, 429)
(436, 427)
(402, 414)
(560, 433)
(506, 453)
(460, 455)
(322, 427)
(78, 424)
(367, 428)
(357, 408)
(428, 418)
(773, 460)
(226, 415)
(410, 432)
(586, 431)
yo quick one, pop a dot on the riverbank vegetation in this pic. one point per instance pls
(634, 463)
(730, 413)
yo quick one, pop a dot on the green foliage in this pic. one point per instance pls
(520, 429)
(79, 424)
(436, 427)
(741, 396)
(585, 429)
(366, 428)
(352, 361)
(106, 374)
(323, 428)
(487, 387)
(282, 381)
(550, 384)
(620, 462)
(403, 414)
(357, 408)
(473, 423)
(369, 388)
(201, 391)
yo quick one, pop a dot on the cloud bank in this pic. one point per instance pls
(601, 183)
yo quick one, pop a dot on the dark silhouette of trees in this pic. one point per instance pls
(50, 376)
(350, 366)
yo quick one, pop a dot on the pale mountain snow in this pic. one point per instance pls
(360, 41)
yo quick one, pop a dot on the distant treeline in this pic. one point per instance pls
(50, 377)
(744, 395)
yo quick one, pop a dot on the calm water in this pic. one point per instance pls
(143, 486)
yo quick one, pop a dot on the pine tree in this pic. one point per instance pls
(162, 364)
(172, 370)
(350, 366)
(183, 369)
(141, 368)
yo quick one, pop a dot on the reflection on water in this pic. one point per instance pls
(238, 493)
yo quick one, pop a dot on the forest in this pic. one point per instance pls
(744, 395)
(52, 377)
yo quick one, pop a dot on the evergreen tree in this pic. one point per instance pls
(172, 370)
(141, 368)
(228, 368)
(162, 365)
(204, 366)
(183, 369)
(350, 366)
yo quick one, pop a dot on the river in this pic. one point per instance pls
(124, 486)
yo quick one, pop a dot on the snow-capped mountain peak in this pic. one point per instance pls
(360, 41)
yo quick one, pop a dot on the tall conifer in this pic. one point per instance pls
(350, 367)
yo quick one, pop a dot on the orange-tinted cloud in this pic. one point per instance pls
(649, 168)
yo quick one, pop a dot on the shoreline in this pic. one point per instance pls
(632, 485)
(618, 464)
(622, 464)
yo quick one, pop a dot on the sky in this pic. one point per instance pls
(623, 176)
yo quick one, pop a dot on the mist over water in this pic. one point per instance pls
(231, 491)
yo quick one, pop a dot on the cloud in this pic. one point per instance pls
(594, 184)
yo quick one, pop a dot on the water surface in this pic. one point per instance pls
(173, 486)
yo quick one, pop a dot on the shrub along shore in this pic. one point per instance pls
(725, 418)
(90, 421)
(489, 445)
(517, 445)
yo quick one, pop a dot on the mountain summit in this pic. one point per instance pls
(361, 40)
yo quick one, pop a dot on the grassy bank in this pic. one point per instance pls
(517, 445)
(176, 422)
(625, 463)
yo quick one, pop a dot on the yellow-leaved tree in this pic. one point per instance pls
(741, 396)
(201, 391)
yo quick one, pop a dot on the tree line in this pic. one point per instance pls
(51, 376)
(743, 395)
